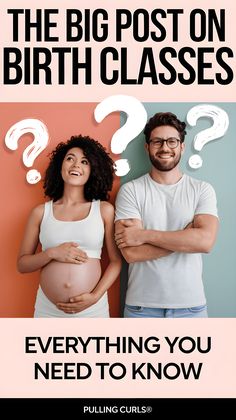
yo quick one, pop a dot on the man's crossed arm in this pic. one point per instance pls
(138, 244)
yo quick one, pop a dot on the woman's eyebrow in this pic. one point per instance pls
(70, 154)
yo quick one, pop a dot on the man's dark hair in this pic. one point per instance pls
(102, 171)
(164, 118)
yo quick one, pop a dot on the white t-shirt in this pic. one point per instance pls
(174, 281)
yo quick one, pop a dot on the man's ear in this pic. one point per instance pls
(146, 147)
(182, 145)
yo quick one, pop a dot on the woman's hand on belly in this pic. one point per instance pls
(61, 281)
(68, 252)
(78, 303)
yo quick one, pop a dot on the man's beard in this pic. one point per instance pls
(165, 166)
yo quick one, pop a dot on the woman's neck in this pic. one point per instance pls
(73, 194)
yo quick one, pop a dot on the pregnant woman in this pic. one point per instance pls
(71, 228)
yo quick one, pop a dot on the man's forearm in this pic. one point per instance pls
(145, 252)
(189, 240)
(197, 237)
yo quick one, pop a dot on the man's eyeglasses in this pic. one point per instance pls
(171, 142)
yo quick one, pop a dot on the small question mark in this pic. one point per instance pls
(220, 125)
(136, 120)
(41, 136)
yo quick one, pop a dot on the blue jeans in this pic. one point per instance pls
(131, 311)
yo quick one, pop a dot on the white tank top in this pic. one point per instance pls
(88, 232)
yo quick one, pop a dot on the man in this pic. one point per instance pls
(165, 220)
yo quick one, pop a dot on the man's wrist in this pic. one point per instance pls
(151, 237)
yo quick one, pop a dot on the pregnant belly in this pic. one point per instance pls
(61, 281)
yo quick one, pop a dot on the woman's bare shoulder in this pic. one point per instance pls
(37, 212)
(107, 209)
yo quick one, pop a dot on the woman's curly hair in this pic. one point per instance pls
(102, 170)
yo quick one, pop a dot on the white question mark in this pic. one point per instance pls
(41, 136)
(136, 120)
(220, 125)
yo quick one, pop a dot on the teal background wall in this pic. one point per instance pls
(219, 168)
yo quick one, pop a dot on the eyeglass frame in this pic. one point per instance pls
(164, 141)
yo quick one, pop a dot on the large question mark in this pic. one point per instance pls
(136, 120)
(41, 136)
(220, 125)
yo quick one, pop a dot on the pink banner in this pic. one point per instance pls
(117, 358)
(85, 53)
